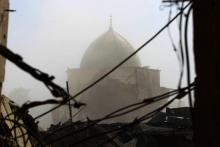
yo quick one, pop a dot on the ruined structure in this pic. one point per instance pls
(8, 132)
(127, 85)
(4, 6)
(172, 128)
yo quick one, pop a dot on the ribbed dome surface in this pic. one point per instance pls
(107, 51)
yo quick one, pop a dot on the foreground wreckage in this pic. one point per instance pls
(16, 129)
(172, 128)
(13, 131)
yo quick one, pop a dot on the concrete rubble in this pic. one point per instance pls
(172, 128)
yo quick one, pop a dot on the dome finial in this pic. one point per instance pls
(110, 23)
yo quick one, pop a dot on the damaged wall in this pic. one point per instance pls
(4, 6)
(5, 110)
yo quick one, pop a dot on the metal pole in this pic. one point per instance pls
(70, 109)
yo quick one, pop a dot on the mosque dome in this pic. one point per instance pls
(108, 50)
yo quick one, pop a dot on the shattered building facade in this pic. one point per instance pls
(128, 84)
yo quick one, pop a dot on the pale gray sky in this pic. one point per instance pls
(53, 35)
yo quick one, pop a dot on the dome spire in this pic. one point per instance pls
(110, 22)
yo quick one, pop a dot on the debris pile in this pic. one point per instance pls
(172, 128)
(16, 129)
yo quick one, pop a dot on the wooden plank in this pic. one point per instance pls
(5, 109)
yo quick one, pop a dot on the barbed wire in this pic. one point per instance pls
(22, 126)
(58, 91)
(180, 93)
(137, 121)
(46, 79)
(122, 62)
(187, 54)
(143, 103)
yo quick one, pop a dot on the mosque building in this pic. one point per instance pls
(129, 84)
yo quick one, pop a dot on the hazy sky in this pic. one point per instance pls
(52, 35)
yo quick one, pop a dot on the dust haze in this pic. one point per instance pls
(53, 35)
